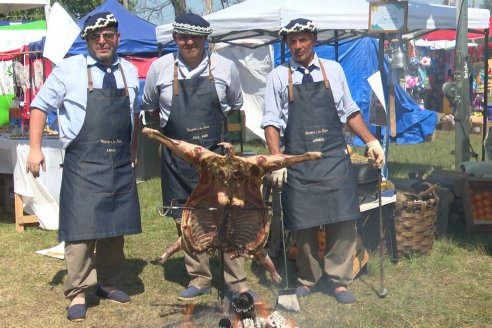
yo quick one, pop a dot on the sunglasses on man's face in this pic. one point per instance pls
(108, 36)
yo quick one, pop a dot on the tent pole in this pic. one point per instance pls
(462, 115)
(282, 52)
(485, 90)
(336, 46)
(384, 80)
(383, 74)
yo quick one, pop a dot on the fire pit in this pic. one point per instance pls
(240, 311)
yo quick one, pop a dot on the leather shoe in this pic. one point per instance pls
(345, 297)
(115, 295)
(192, 292)
(77, 312)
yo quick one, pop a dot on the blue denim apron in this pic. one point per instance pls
(98, 197)
(323, 191)
(196, 117)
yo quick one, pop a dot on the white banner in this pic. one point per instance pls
(62, 32)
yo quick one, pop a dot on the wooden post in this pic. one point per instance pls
(20, 218)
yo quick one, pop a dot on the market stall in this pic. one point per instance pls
(336, 24)
(39, 195)
(22, 72)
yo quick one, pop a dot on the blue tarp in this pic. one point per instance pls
(359, 59)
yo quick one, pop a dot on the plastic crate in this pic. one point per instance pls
(478, 204)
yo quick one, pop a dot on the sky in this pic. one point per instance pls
(196, 6)
(477, 3)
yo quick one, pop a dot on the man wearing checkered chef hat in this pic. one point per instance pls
(191, 24)
(298, 25)
(307, 100)
(194, 90)
(95, 94)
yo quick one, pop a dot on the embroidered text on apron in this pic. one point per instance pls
(323, 191)
(196, 117)
(98, 197)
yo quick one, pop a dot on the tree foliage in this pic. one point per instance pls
(150, 10)
(75, 7)
(487, 4)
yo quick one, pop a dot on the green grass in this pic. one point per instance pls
(451, 287)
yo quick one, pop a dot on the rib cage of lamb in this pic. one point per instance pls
(226, 210)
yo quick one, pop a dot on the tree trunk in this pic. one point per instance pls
(179, 7)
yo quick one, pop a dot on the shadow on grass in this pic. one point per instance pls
(129, 280)
(58, 278)
(403, 170)
(174, 270)
(481, 241)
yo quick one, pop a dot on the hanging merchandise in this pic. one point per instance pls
(6, 77)
(423, 83)
(21, 75)
(6, 90)
(478, 72)
(425, 62)
(410, 81)
(38, 73)
(23, 81)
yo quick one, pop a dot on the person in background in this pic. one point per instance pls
(95, 94)
(194, 91)
(306, 101)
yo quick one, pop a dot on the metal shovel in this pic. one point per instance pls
(287, 298)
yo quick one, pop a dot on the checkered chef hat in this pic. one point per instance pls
(97, 21)
(298, 25)
(193, 24)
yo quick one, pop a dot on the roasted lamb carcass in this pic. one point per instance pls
(226, 210)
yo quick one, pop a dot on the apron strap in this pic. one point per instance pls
(211, 78)
(89, 77)
(290, 89)
(175, 79)
(210, 75)
(325, 79)
(175, 76)
(124, 78)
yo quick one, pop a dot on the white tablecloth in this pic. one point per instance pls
(40, 196)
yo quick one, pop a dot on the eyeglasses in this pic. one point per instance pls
(186, 37)
(108, 36)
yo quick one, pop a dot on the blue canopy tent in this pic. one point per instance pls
(137, 35)
(359, 60)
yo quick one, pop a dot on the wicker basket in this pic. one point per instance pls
(415, 221)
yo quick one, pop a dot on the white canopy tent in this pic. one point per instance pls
(14, 5)
(16, 38)
(350, 18)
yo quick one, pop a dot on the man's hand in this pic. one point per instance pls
(277, 178)
(375, 153)
(35, 159)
